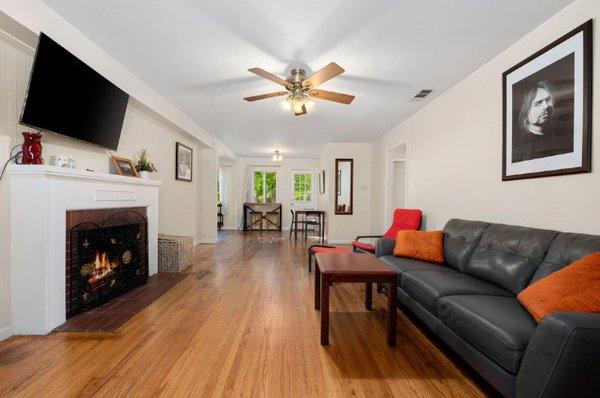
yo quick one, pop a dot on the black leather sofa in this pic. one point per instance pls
(470, 303)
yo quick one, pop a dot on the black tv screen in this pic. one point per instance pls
(68, 97)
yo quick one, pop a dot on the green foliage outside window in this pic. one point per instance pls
(265, 186)
(271, 178)
(302, 187)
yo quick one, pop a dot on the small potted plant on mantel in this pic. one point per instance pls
(144, 167)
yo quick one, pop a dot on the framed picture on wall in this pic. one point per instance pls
(183, 162)
(547, 110)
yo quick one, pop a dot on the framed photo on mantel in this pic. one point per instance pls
(547, 110)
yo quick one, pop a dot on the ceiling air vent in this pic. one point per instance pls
(421, 95)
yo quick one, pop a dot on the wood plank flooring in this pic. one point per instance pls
(242, 323)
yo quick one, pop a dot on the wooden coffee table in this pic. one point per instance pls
(354, 268)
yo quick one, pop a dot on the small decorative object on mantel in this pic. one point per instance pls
(183, 162)
(124, 166)
(547, 110)
(144, 167)
(63, 161)
(32, 148)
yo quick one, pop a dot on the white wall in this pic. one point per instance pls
(454, 149)
(344, 228)
(284, 170)
(206, 223)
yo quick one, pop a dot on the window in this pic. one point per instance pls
(302, 186)
(265, 186)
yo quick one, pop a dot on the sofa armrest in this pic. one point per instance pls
(384, 247)
(563, 357)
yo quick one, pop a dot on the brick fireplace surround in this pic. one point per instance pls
(97, 218)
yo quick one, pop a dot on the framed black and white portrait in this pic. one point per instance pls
(183, 162)
(547, 110)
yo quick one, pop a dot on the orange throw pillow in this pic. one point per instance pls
(576, 287)
(420, 245)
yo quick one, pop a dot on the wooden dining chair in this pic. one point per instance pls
(294, 224)
(315, 223)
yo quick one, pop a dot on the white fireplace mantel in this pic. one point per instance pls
(40, 196)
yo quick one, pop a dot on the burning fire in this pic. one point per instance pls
(102, 266)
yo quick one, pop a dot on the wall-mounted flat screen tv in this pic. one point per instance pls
(68, 97)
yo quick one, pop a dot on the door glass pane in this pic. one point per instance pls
(302, 187)
(259, 186)
(270, 187)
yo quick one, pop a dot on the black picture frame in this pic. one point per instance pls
(181, 159)
(585, 84)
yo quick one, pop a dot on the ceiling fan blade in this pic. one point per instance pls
(263, 73)
(329, 72)
(302, 112)
(263, 96)
(332, 96)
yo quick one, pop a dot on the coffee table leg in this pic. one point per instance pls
(317, 287)
(369, 296)
(392, 312)
(324, 310)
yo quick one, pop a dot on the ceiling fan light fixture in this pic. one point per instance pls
(301, 90)
(277, 156)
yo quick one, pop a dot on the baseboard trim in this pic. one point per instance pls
(6, 332)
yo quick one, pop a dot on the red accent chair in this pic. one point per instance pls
(404, 219)
(314, 249)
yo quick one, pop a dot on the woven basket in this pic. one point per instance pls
(174, 252)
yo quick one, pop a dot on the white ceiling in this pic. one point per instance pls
(195, 53)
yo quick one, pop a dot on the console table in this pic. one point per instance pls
(264, 209)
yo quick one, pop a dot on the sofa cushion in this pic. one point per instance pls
(508, 256)
(497, 326)
(565, 249)
(460, 239)
(420, 245)
(402, 264)
(427, 287)
(574, 288)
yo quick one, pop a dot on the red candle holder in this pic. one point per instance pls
(32, 148)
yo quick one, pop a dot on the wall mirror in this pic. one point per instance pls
(322, 182)
(344, 169)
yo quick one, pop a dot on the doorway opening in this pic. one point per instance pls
(397, 182)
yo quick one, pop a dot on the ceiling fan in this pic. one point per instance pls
(301, 89)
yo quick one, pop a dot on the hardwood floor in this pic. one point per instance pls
(242, 323)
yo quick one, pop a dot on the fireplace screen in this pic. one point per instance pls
(107, 260)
